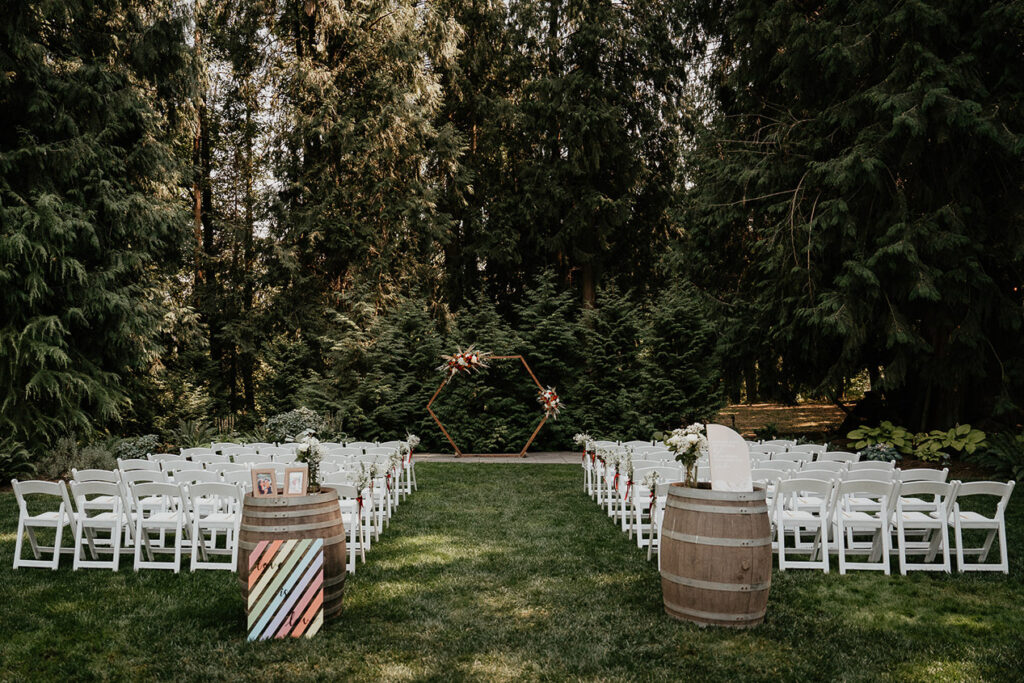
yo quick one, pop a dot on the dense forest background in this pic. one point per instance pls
(213, 212)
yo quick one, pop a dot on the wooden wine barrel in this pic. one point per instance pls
(716, 556)
(316, 515)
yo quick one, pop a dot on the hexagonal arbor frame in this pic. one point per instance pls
(458, 452)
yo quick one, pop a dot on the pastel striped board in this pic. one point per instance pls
(286, 588)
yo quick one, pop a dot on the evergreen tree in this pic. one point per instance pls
(863, 179)
(87, 206)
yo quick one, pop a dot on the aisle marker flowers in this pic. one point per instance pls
(309, 452)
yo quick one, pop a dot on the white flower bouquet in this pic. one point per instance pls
(309, 453)
(689, 444)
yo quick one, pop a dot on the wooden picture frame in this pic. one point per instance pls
(264, 482)
(293, 487)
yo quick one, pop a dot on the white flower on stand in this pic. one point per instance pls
(584, 441)
(689, 444)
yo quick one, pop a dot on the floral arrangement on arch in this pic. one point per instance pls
(470, 360)
(309, 453)
(549, 401)
(689, 444)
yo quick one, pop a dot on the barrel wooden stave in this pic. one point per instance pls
(716, 557)
(316, 515)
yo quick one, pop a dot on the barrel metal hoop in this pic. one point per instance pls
(680, 491)
(326, 495)
(289, 513)
(674, 503)
(247, 545)
(716, 585)
(718, 540)
(292, 528)
(716, 616)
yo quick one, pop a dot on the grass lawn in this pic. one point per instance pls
(500, 571)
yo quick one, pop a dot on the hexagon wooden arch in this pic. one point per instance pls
(458, 452)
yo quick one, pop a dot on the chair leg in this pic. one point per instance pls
(56, 545)
(959, 539)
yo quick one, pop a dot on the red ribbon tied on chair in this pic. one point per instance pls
(359, 500)
(387, 480)
(629, 485)
(615, 481)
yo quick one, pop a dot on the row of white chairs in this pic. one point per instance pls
(897, 517)
(185, 518)
(917, 499)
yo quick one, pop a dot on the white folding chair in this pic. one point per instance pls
(837, 456)
(236, 450)
(353, 516)
(168, 519)
(210, 458)
(214, 507)
(219, 446)
(57, 494)
(260, 445)
(812, 448)
(928, 519)
(185, 466)
(284, 457)
(250, 459)
(128, 464)
(795, 456)
(994, 525)
(164, 457)
(240, 478)
(864, 465)
(924, 474)
(851, 520)
(824, 465)
(190, 452)
(197, 477)
(796, 520)
(223, 467)
(778, 443)
(99, 509)
(780, 465)
(658, 502)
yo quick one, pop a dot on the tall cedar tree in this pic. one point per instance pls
(861, 190)
(86, 207)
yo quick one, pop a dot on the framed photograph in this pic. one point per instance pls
(296, 481)
(264, 482)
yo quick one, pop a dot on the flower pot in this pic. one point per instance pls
(716, 556)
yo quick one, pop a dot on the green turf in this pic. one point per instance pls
(499, 571)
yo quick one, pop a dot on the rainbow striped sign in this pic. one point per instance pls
(286, 588)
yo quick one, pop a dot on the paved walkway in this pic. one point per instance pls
(548, 458)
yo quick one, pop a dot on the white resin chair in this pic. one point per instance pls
(812, 448)
(778, 443)
(780, 465)
(354, 518)
(223, 467)
(128, 464)
(240, 478)
(57, 494)
(820, 465)
(852, 519)
(928, 520)
(99, 509)
(169, 519)
(210, 458)
(219, 446)
(837, 456)
(795, 520)
(186, 466)
(197, 477)
(862, 465)
(235, 450)
(995, 526)
(249, 459)
(284, 457)
(190, 452)
(260, 445)
(214, 507)
(794, 456)
(165, 457)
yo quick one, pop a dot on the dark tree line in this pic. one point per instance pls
(217, 208)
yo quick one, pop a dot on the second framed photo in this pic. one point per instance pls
(296, 481)
(264, 482)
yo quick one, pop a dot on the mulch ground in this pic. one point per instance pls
(804, 419)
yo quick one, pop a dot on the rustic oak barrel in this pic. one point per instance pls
(716, 556)
(316, 515)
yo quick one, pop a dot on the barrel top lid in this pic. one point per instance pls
(680, 491)
(326, 495)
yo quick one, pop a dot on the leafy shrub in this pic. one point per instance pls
(929, 446)
(1003, 454)
(289, 425)
(886, 432)
(66, 455)
(15, 461)
(137, 446)
(192, 433)
(769, 431)
(880, 451)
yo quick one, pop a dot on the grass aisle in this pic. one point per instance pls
(499, 571)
